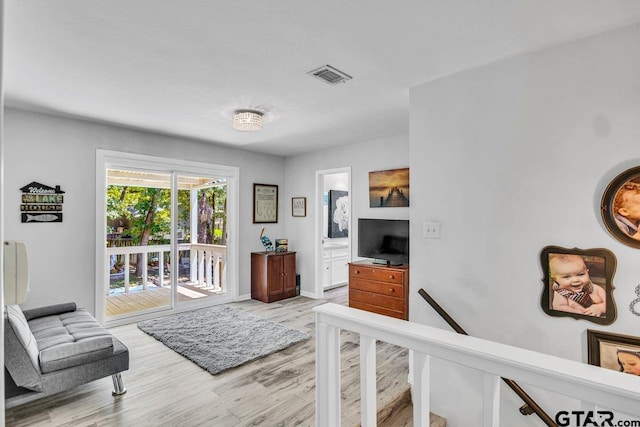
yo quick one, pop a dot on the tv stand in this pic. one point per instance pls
(382, 289)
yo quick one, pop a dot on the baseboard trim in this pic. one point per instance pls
(243, 297)
(308, 294)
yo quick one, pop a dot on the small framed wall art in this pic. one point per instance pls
(578, 283)
(298, 206)
(265, 203)
(620, 207)
(614, 351)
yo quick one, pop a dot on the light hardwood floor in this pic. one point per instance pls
(165, 389)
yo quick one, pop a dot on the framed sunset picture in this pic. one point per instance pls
(389, 188)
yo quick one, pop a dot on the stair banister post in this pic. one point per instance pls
(420, 391)
(327, 374)
(368, 412)
(491, 404)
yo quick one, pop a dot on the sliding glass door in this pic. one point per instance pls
(138, 238)
(167, 230)
(202, 234)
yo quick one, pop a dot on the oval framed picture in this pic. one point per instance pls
(620, 207)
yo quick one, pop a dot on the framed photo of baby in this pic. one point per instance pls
(620, 207)
(614, 351)
(578, 283)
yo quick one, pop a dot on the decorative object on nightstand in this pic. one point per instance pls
(266, 241)
(282, 245)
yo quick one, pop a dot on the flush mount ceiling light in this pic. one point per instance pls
(247, 120)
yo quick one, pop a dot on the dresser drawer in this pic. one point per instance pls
(379, 274)
(390, 289)
(379, 310)
(371, 298)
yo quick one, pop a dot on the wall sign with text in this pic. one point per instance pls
(41, 203)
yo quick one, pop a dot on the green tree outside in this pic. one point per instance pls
(147, 211)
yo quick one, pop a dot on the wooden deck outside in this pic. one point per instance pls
(130, 302)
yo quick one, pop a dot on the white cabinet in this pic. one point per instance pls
(335, 267)
(326, 272)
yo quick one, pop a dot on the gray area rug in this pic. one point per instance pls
(221, 338)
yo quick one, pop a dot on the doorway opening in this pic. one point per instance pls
(333, 228)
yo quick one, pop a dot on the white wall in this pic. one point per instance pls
(58, 151)
(390, 153)
(513, 157)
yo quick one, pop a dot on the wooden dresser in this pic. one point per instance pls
(273, 275)
(379, 289)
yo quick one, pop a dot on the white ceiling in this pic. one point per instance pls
(182, 67)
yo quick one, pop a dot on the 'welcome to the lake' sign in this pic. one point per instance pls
(41, 203)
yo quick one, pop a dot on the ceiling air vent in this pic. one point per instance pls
(330, 75)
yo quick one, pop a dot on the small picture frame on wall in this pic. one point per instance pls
(620, 207)
(265, 203)
(298, 206)
(614, 351)
(578, 283)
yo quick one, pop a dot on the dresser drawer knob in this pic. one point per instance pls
(391, 290)
(357, 271)
(391, 276)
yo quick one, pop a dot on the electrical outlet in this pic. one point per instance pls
(431, 230)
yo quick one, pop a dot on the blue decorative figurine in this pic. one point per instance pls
(266, 241)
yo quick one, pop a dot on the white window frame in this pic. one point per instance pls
(106, 159)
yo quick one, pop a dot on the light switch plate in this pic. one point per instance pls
(431, 230)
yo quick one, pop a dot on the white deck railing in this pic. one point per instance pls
(593, 386)
(207, 263)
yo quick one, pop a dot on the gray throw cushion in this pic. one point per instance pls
(21, 328)
(49, 310)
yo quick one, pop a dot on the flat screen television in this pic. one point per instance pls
(384, 240)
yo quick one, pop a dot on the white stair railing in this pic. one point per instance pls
(593, 386)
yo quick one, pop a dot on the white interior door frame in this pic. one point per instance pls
(319, 255)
